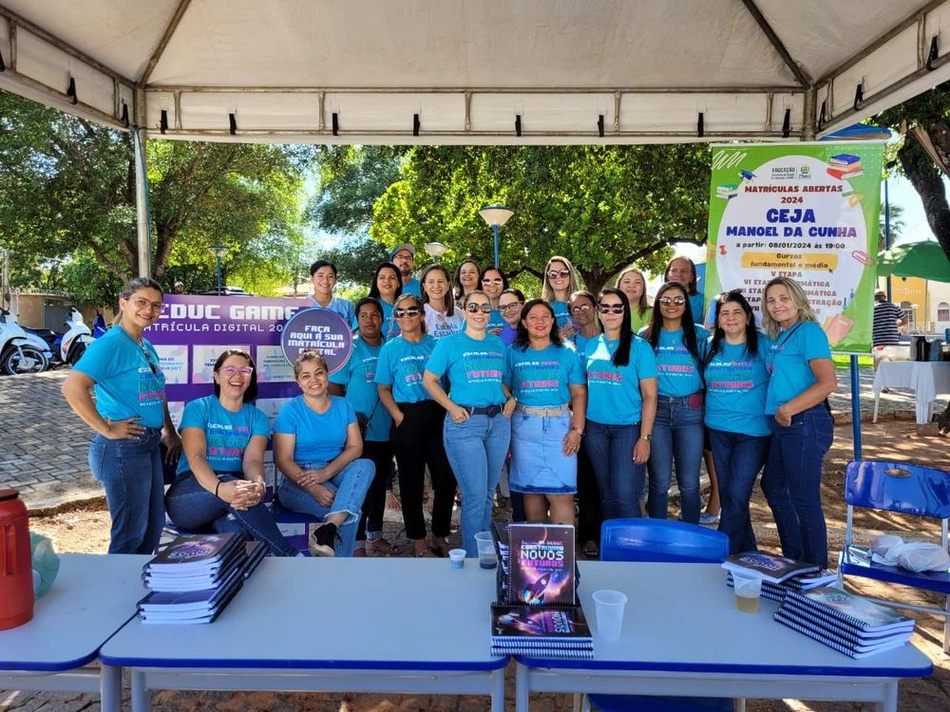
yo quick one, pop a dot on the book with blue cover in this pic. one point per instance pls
(768, 567)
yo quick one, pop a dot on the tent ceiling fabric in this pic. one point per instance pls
(474, 71)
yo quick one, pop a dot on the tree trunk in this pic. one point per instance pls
(920, 169)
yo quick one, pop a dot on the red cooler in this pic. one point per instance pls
(16, 569)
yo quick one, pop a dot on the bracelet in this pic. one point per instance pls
(577, 430)
(216, 488)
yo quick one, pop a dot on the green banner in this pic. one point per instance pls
(808, 211)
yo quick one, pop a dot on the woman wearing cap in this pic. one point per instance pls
(547, 379)
(403, 257)
(441, 316)
(802, 378)
(478, 406)
(417, 429)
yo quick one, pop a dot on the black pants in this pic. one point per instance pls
(381, 453)
(417, 442)
(589, 516)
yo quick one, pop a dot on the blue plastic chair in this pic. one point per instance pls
(906, 489)
(661, 540)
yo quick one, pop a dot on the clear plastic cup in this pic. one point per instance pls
(748, 591)
(457, 558)
(609, 606)
(486, 550)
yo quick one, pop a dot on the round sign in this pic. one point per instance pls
(319, 330)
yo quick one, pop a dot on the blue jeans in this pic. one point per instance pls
(191, 506)
(131, 474)
(738, 459)
(619, 478)
(792, 483)
(349, 485)
(677, 437)
(477, 449)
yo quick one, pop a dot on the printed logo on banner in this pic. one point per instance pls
(175, 409)
(318, 330)
(272, 365)
(174, 363)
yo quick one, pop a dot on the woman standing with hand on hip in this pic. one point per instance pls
(477, 429)
(130, 417)
(802, 377)
(738, 429)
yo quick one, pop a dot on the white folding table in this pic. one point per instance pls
(334, 625)
(92, 597)
(928, 379)
(682, 636)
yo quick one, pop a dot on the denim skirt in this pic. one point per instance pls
(538, 462)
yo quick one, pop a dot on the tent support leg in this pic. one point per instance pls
(141, 189)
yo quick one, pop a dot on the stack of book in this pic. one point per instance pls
(844, 166)
(196, 576)
(779, 575)
(845, 621)
(537, 613)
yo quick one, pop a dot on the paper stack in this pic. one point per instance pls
(844, 166)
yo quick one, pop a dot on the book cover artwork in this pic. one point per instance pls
(542, 564)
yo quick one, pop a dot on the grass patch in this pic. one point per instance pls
(843, 361)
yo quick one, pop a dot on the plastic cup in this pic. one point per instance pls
(748, 590)
(609, 606)
(486, 550)
(457, 558)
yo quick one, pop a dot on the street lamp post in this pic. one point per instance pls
(495, 216)
(219, 252)
(435, 250)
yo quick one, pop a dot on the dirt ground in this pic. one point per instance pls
(84, 528)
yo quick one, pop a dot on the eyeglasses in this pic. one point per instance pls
(555, 273)
(232, 370)
(408, 311)
(608, 308)
(140, 303)
(475, 308)
(509, 307)
(493, 280)
(676, 301)
(581, 309)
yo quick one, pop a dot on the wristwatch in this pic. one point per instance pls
(648, 437)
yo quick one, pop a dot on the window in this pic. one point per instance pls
(943, 311)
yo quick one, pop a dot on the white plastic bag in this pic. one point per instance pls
(916, 556)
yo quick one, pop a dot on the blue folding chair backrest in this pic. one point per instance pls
(661, 540)
(898, 487)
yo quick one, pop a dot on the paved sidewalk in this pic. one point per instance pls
(43, 444)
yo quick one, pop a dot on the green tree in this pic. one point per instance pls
(603, 207)
(67, 184)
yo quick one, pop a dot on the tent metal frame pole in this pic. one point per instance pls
(139, 137)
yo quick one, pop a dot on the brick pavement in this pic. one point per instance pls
(43, 444)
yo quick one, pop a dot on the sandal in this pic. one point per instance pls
(590, 550)
(381, 547)
(425, 553)
(440, 550)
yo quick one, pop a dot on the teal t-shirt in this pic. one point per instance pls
(697, 302)
(401, 365)
(390, 327)
(343, 307)
(129, 378)
(226, 433)
(359, 378)
(613, 393)
(787, 361)
(542, 378)
(678, 371)
(562, 313)
(580, 343)
(495, 323)
(736, 385)
(321, 437)
(474, 368)
(412, 287)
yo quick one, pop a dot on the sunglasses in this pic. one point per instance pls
(555, 273)
(581, 309)
(408, 311)
(492, 280)
(509, 307)
(475, 308)
(608, 308)
(151, 364)
(243, 370)
(676, 301)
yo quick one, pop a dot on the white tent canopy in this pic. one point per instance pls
(475, 71)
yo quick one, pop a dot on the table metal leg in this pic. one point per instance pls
(110, 688)
(889, 703)
(521, 688)
(877, 403)
(141, 695)
(498, 690)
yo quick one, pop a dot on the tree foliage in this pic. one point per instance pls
(67, 187)
(603, 207)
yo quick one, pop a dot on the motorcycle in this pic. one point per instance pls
(67, 347)
(20, 351)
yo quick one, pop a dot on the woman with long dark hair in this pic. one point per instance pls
(493, 282)
(621, 406)
(547, 379)
(416, 433)
(386, 288)
(220, 479)
(466, 278)
(679, 345)
(802, 377)
(738, 429)
(130, 417)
